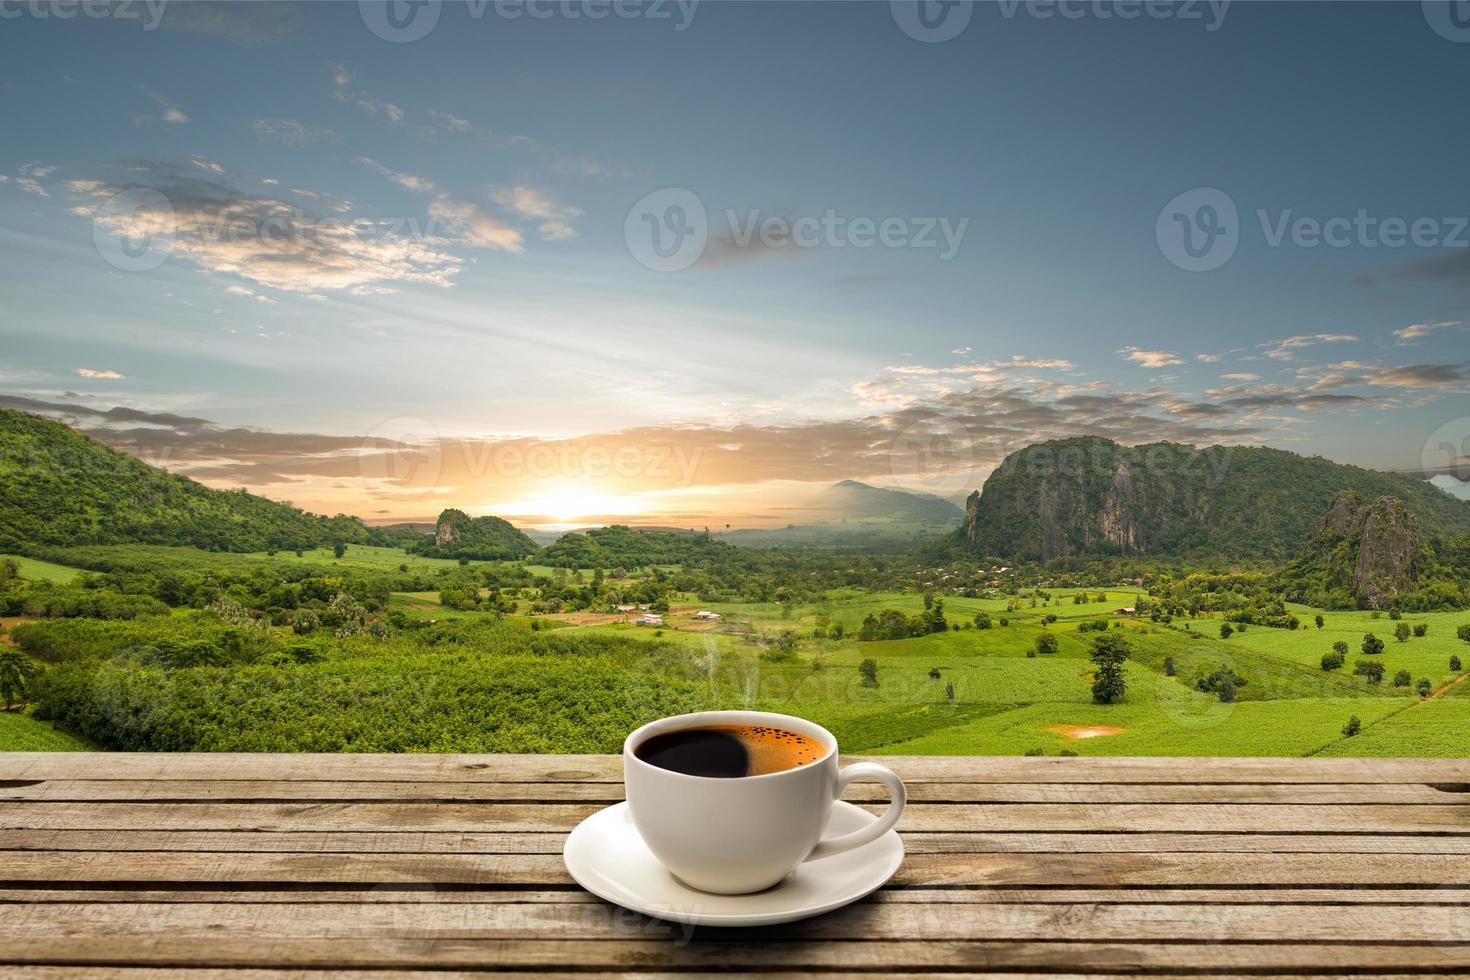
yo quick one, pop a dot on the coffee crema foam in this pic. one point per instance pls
(730, 751)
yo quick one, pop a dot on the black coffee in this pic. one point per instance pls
(730, 751)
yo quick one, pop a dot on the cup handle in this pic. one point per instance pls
(897, 795)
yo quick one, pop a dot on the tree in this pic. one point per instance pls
(1371, 669)
(1109, 652)
(1340, 648)
(1401, 632)
(1372, 645)
(1424, 687)
(339, 549)
(982, 620)
(1319, 621)
(1403, 679)
(868, 670)
(1046, 643)
(1332, 661)
(1454, 663)
(1168, 666)
(1352, 727)
(1463, 632)
(1225, 631)
(1421, 629)
(17, 671)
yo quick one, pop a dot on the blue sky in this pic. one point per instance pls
(446, 255)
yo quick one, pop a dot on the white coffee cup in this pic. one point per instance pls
(731, 836)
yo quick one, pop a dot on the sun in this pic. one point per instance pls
(565, 504)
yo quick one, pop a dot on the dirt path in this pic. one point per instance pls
(1451, 684)
(7, 624)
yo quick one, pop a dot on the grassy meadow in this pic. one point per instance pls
(519, 678)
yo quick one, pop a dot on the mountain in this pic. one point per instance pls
(858, 515)
(458, 535)
(1459, 489)
(1093, 496)
(60, 488)
(860, 501)
(1372, 555)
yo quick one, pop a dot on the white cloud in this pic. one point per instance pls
(528, 202)
(344, 91)
(449, 121)
(1281, 350)
(409, 182)
(476, 225)
(170, 113)
(1208, 358)
(961, 351)
(1419, 331)
(204, 163)
(97, 375)
(1242, 376)
(292, 132)
(269, 241)
(1150, 358)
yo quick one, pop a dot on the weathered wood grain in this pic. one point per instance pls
(328, 791)
(241, 867)
(520, 817)
(598, 768)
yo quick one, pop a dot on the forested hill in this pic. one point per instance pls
(1094, 496)
(617, 545)
(58, 487)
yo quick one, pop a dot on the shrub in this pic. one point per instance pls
(868, 670)
(1046, 643)
(934, 673)
(1424, 687)
(1318, 621)
(1332, 661)
(1402, 679)
(1225, 631)
(1371, 669)
(1463, 632)
(1168, 666)
(1035, 752)
(1401, 632)
(1420, 629)
(1372, 645)
(1454, 663)
(1352, 727)
(982, 620)
(1395, 614)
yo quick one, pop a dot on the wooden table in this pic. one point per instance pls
(369, 866)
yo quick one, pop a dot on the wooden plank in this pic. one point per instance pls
(520, 817)
(274, 790)
(743, 950)
(425, 893)
(864, 922)
(957, 870)
(550, 842)
(189, 973)
(576, 768)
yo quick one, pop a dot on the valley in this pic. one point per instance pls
(337, 637)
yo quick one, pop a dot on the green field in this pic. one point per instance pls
(21, 733)
(441, 679)
(36, 569)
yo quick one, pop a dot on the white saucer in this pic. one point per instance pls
(607, 857)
